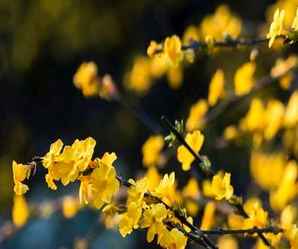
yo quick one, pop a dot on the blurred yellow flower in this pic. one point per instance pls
(191, 189)
(263, 164)
(173, 50)
(257, 216)
(274, 118)
(195, 141)
(139, 78)
(291, 114)
(151, 150)
(276, 27)
(219, 24)
(230, 132)
(153, 48)
(287, 188)
(70, 206)
(86, 79)
(227, 242)
(196, 115)
(20, 211)
(243, 78)
(221, 186)
(208, 218)
(175, 77)
(216, 87)
(295, 21)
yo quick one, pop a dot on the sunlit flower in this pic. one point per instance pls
(221, 186)
(102, 183)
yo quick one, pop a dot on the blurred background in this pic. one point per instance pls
(42, 43)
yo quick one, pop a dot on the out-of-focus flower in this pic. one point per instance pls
(243, 78)
(195, 141)
(216, 87)
(70, 206)
(196, 115)
(276, 27)
(173, 50)
(208, 216)
(151, 150)
(20, 211)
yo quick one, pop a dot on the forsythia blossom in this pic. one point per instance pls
(20, 173)
(195, 141)
(221, 187)
(276, 27)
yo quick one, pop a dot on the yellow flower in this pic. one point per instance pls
(166, 189)
(139, 77)
(220, 23)
(283, 65)
(243, 78)
(172, 49)
(295, 21)
(135, 204)
(130, 219)
(195, 141)
(230, 132)
(276, 27)
(102, 184)
(257, 217)
(254, 119)
(274, 118)
(20, 173)
(175, 77)
(20, 211)
(191, 189)
(291, 115)
(208, 216)
(86, 79)
(153, 178)
(216, 87)
(66, 165)
(287, 188)
(221, 186)
(151, 150)
(263, 164)
(70, 206)
(227, 242)
(190, 35)
(153, 48)
(196, 115)
(288, 217)
(173, 239)
(153, 218)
